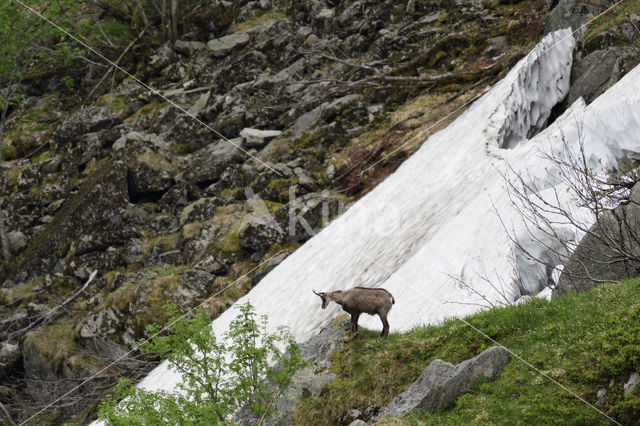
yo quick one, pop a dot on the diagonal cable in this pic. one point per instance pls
(142, 342)
(146, 86)
(423, 132)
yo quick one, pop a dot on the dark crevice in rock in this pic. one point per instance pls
(204, 184)
(137, 197)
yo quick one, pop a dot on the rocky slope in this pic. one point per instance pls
(303, 97)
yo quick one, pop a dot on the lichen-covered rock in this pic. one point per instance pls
(162, 57)
(222, 46)
(188, 47)
(17, 241)
(200, 210)
(207, 164)
(256, 138)
(124, 313)
(86, 120)
(259, 232)
(94, 213)
(149, 175)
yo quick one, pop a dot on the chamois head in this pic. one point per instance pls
(323, 296)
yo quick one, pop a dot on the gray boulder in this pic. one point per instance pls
(628, 387)
(573, 13)
(9, 356)
(255, 138)
(221, 47)
(608, 252)
(149, 173)
(208, 163)
(86, 120)
(595, 73)
(211, 265)
(302, 217)
(17, 241)
(188, 47)
(442, 383)
(259, 232)
(162, 57)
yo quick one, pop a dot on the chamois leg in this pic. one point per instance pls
(385, 326)
(354, 323)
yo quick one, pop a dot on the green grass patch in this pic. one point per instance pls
(581, 340)
(610, 19)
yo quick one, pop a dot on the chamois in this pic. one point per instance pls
(362, 299)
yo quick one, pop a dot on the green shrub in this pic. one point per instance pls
(219, 377)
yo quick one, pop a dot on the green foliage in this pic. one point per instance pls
(30, 46)
(247, 369)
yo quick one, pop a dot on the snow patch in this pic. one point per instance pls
(539, 84)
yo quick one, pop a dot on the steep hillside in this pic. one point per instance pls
(572, 339)
(285, 110)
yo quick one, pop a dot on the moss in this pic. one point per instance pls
(231, 193)
(278, 149)
(184, 215)
(436, 58)
(231, 218)
(34, 192)
(312, 139)
(230, 243)
(192, 229)
(115, 103)
(181, 148)
(279, 188)
(8, 152)
(56, 344)
(163, 272)
(236, 287)
(23, 293)
(166, 242)
(260, 18)
(14, 173)
(42, 157)
(152, 110)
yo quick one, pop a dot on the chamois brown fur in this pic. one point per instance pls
(373, 301)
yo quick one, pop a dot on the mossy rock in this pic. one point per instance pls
(115, 103)
(124, 314)
(90, 213)
(278, 189)
(161, 243)
(52, 352)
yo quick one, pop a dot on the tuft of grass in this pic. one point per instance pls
(581, 340)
